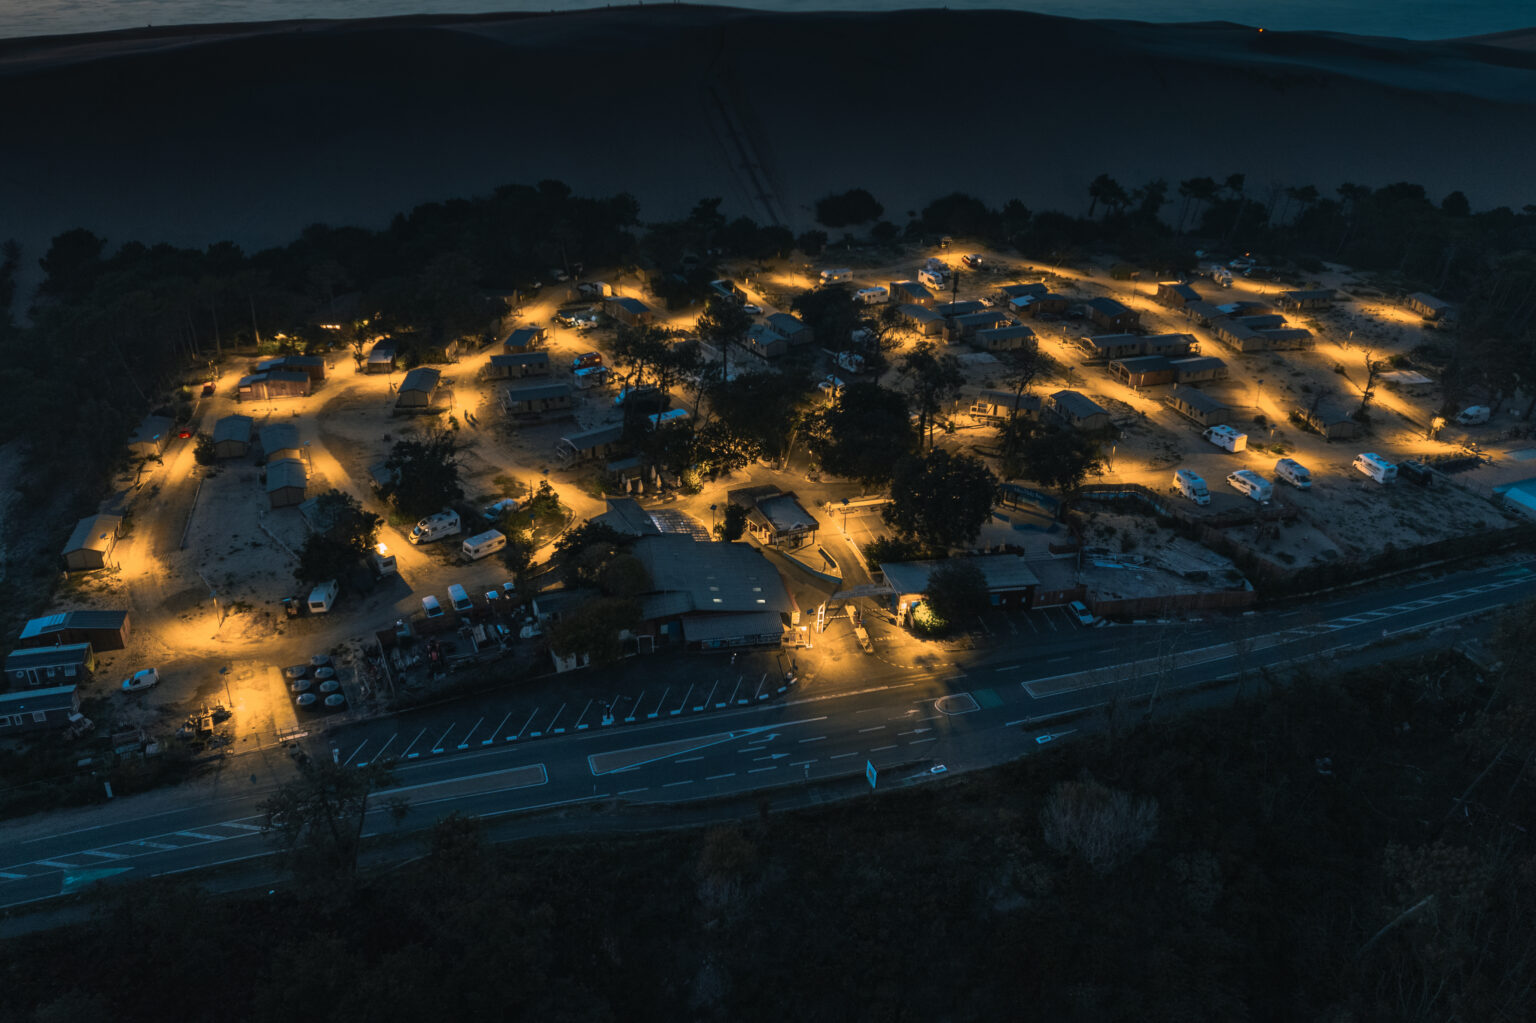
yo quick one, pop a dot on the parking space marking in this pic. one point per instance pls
(470, 734)
(551, 726)
(354, 753)
(583, 716)
(414, 741)
(437, 747)
(520, 731)
(494, 731)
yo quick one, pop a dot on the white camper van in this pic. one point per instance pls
(1477, 415)
(936, 278)
(871, 296)
(1226, 438)
(1294, 473)
(842, 275)
(435, 527)
(481, 544)
(322, 597)
(1376, 467)
(1252, 485)
(430, 607)
(1191, 486)
(459, 598)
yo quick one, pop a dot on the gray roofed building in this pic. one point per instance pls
(629, 311)
(417, 389)
(38, 709)
(598, 442)
(791, 328)
(280, 441)
(535, 398)
(1039, 289)
(519, 365)
(1205, 409)
(624, 515)
(1427, 305)
(775, 518)
(1198, 368)
(925, 321)
(232, 436)
(964, 326)
(523, 339)
(381, 357)
(1142, 370)
(1108, 312)
(1007, 575)
(1314, 298)
(1175, 295)
(151, 437)
(997, 406)
(731, 583)
(90, 544)
(49, 665)
(911, 293)
(287, 482)
(1007, 338)
(103, 630)
(1079, 410)
(765, 342)
(949, 310)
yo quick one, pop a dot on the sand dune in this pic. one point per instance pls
(251, 132)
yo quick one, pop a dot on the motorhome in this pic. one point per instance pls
(1252, 485)
(871, 296)
(459, 598)
(842, 275)
(1477, 415)
(1294, 473)
(1191, 486)
(669, 416)
(937, 278)
(1226, 438)
(383, 560)
(1221, 275)
(435, 527)
(430, 607)
(853, 362)
(481, 544)
(322, 597)
(1376, 467)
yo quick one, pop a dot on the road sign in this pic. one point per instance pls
(870, 773)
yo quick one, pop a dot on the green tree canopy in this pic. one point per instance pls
(830, 313)
(317, 818)
(345, 532)
(931, 379)
(424, 473)
(956, 591)
(941, 499)
(863, 433)
(593, 629)
(846, 209)
(1053, 456)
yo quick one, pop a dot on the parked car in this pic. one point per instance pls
(1080, 611)
(207, 388)
(145, 678)
(752, 309)
(972, 260)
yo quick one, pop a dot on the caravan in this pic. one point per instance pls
(1191, 486)
(322, 597)
(481, 544)
(1252, 485)
(1294, 473)
(588, 377)
(871, 296)
(842, 275)
(1376, 467)
(1226, 438)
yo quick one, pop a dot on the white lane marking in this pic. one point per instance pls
(56, 863)
(675, 784)
(154, 845)
(630, 792)
(15, 877)
(686, 760)
(103, 855)
(881, 749)
(199, 834)
(876, 728)
(799, 763)
(759, 770)
(818, 738)
(914, 742)
(717, 777)
(915, 731)
(839, 756)
(242, 827)
(543, 780)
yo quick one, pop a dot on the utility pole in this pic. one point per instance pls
(254, 329)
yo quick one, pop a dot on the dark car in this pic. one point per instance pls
(1417, 471)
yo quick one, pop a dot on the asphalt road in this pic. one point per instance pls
(979, 708)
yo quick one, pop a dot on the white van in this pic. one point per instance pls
(842, 275)
(1191, 486)
(322, 597)
(930, 277)
(459, 599)
(871, 296)
(1476, 415)
(430, 607)
(435, 527)
(481, 544)
(1226, 438)
(1294, 473)
(1252, 484)
(1376, 467)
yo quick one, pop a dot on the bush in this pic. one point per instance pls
(1102, 826)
